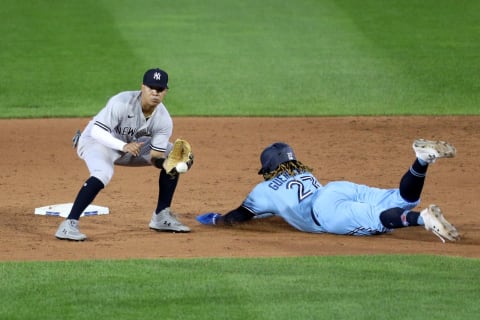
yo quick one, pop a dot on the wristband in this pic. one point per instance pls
(158, 162)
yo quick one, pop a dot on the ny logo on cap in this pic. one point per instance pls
(157, 76)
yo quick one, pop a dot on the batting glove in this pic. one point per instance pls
(208, 218)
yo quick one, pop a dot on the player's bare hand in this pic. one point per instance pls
(133, 148)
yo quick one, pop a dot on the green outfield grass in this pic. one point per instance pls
(253, 58)
(363, 287)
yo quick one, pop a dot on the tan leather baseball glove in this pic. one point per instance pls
(180, 158)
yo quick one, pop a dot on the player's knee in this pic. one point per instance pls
(104, 176)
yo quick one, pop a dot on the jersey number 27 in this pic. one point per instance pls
(303, 191)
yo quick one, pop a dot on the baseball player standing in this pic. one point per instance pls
(340, 207)
(133, 129)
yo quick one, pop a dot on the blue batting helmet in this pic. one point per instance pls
(274, 155)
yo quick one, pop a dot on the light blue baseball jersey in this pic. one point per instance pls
(340, 207)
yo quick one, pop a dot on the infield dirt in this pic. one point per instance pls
(38, 167)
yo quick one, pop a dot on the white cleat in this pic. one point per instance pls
(68, 230)
(166, 220)
(429, 150)
(436, 222)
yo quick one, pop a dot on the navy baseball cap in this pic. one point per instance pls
(274, 155)
(155, 78)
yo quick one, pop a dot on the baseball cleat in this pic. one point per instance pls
(68, 230)
(429, 150)
(166, 220)
(436, 222)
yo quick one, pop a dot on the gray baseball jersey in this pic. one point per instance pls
(123, 118)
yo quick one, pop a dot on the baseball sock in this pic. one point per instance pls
(85, 196)
(399, 218)
(411, 184)
(167, 185)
